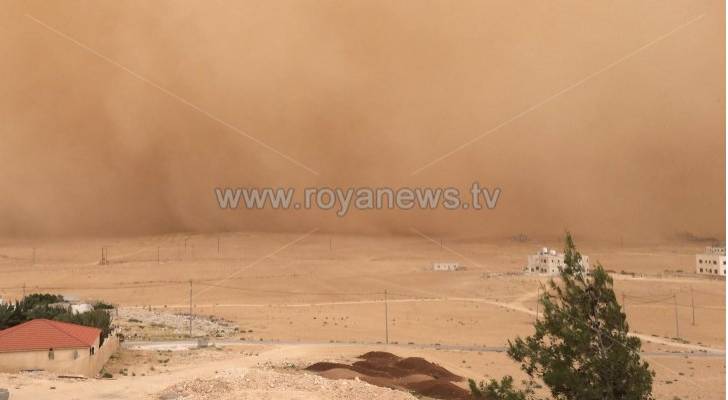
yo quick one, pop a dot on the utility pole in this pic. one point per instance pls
(218, 245)
(692, 303)
(23, 289)
(190, 308)
(538, 297)
(331, 244)
(677, 324)
(386, 318)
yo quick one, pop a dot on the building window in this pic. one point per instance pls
(91, 350)
(51, 355)
(701, 270)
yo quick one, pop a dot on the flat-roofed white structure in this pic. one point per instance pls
(711, 262)
(550, 262)
(446, 266)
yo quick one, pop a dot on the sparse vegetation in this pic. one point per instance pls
(580, 349)
(39, 305)
(100, 305)
(502, 390)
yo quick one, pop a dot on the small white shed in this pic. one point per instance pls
(81, 308)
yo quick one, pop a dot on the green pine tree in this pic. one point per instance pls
(581, 348)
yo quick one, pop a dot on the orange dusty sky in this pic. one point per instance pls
(111, 113)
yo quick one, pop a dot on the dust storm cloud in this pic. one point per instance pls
(365, 93)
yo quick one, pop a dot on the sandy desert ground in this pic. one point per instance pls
(302, 298)
(121, 118)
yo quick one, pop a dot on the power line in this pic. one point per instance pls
(190, 307)
(288, 292)
(677, 323)
(692, 303)
(386, 318)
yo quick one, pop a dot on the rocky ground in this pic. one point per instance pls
(137, 323)
(316, 302)
(243, 383)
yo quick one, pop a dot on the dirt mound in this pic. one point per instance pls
(388, 370)
(439, 389)
(414, 378)
(379, 355)
(197, 388)
(375, 369)
(325, 366)
(340, 373)
(242, 383)
(418, 365)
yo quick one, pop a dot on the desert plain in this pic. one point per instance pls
(290, 300)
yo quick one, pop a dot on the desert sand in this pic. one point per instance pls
(119, 119)
(325, 294)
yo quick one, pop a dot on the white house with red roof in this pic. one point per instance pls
(54, 346)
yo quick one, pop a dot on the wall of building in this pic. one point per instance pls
(445, 266)
(710, 264)
(65, 361)
(110, 346)
(550, 264)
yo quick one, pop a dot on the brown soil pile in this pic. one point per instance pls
(325, 366)
(412, 373)
(440, 389)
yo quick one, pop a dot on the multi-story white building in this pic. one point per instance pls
(711, 262)
(550, 262)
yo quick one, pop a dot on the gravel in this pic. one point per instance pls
(171, 324)
(251, 384)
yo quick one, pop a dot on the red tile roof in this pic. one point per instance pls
(44, 334)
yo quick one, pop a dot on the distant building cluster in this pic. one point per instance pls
(711, 262)
(447, 266)
(550, 263)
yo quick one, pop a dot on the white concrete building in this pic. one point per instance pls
(81, 308)
(446, 266)
(711, 262)
(550, 262)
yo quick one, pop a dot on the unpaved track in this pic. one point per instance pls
(179, 345)
(515, 306)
